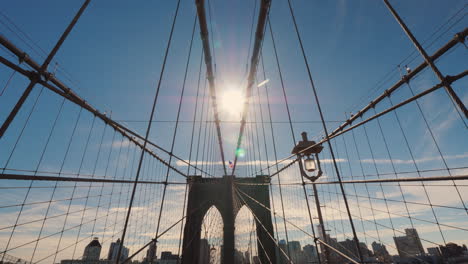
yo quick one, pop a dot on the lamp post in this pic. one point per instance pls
(307, 153)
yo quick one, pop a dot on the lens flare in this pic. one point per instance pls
(240, 152)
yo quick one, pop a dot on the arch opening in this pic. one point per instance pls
(246, 242)
(211, 239)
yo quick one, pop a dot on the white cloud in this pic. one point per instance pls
(248, 163)
(407, 161)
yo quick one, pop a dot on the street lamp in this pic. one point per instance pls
(307, 151)
(309, 164)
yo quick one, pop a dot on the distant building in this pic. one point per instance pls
(294, 246)
(151, 253)
(93, 250)
(295, 252)
(114, 250)
(381, 252)
(434, 251)
(91, 255)
(168, 258)
(310, 253)
(334, 257)
(238, 257)
(80, 261)
(452, 250)
(348, 247)
(409, 245)
(283, 252)
(414, 237)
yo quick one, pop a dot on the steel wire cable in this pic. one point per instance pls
(411, 56)
(148, 129)
(190, 150)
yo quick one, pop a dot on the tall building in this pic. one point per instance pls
(93, 250)
(414, 237)
(114, 250)
(409, 245)
(348, 247)
(295, 251)
(310, 253)
(294, 247)
(151, 253)
(238, 257)
(332, 242)
(381, 252)
(366, 253)
(283, 250)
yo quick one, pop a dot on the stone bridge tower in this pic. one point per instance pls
(223, 193)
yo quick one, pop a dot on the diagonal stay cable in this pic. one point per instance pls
(41, 69)
(449, 79)
(261, 224)
(190, 149)
(302, 230)
(56, 86)
(401, 215)
(162, 233)
(324, 126)
(174, 135)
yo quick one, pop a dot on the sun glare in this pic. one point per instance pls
(231, 102)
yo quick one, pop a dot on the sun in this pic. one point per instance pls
(231, 102)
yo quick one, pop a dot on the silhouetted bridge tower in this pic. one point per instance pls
(228, 198)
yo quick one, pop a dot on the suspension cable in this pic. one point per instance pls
(148, 129)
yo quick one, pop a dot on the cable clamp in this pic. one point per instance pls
(47, 76)
(447, 80)
(387, 93)
(459, 37)
(34, 76)
(23, 57)
(405, 78)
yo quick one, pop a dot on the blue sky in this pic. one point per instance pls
(113, 58)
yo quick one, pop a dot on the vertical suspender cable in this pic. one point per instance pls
(148, 129)
(190, 152)
(319, 108)
(209, 72)
(290, 126)
(260, 32)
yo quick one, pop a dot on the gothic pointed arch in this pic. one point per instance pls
(227, 194)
